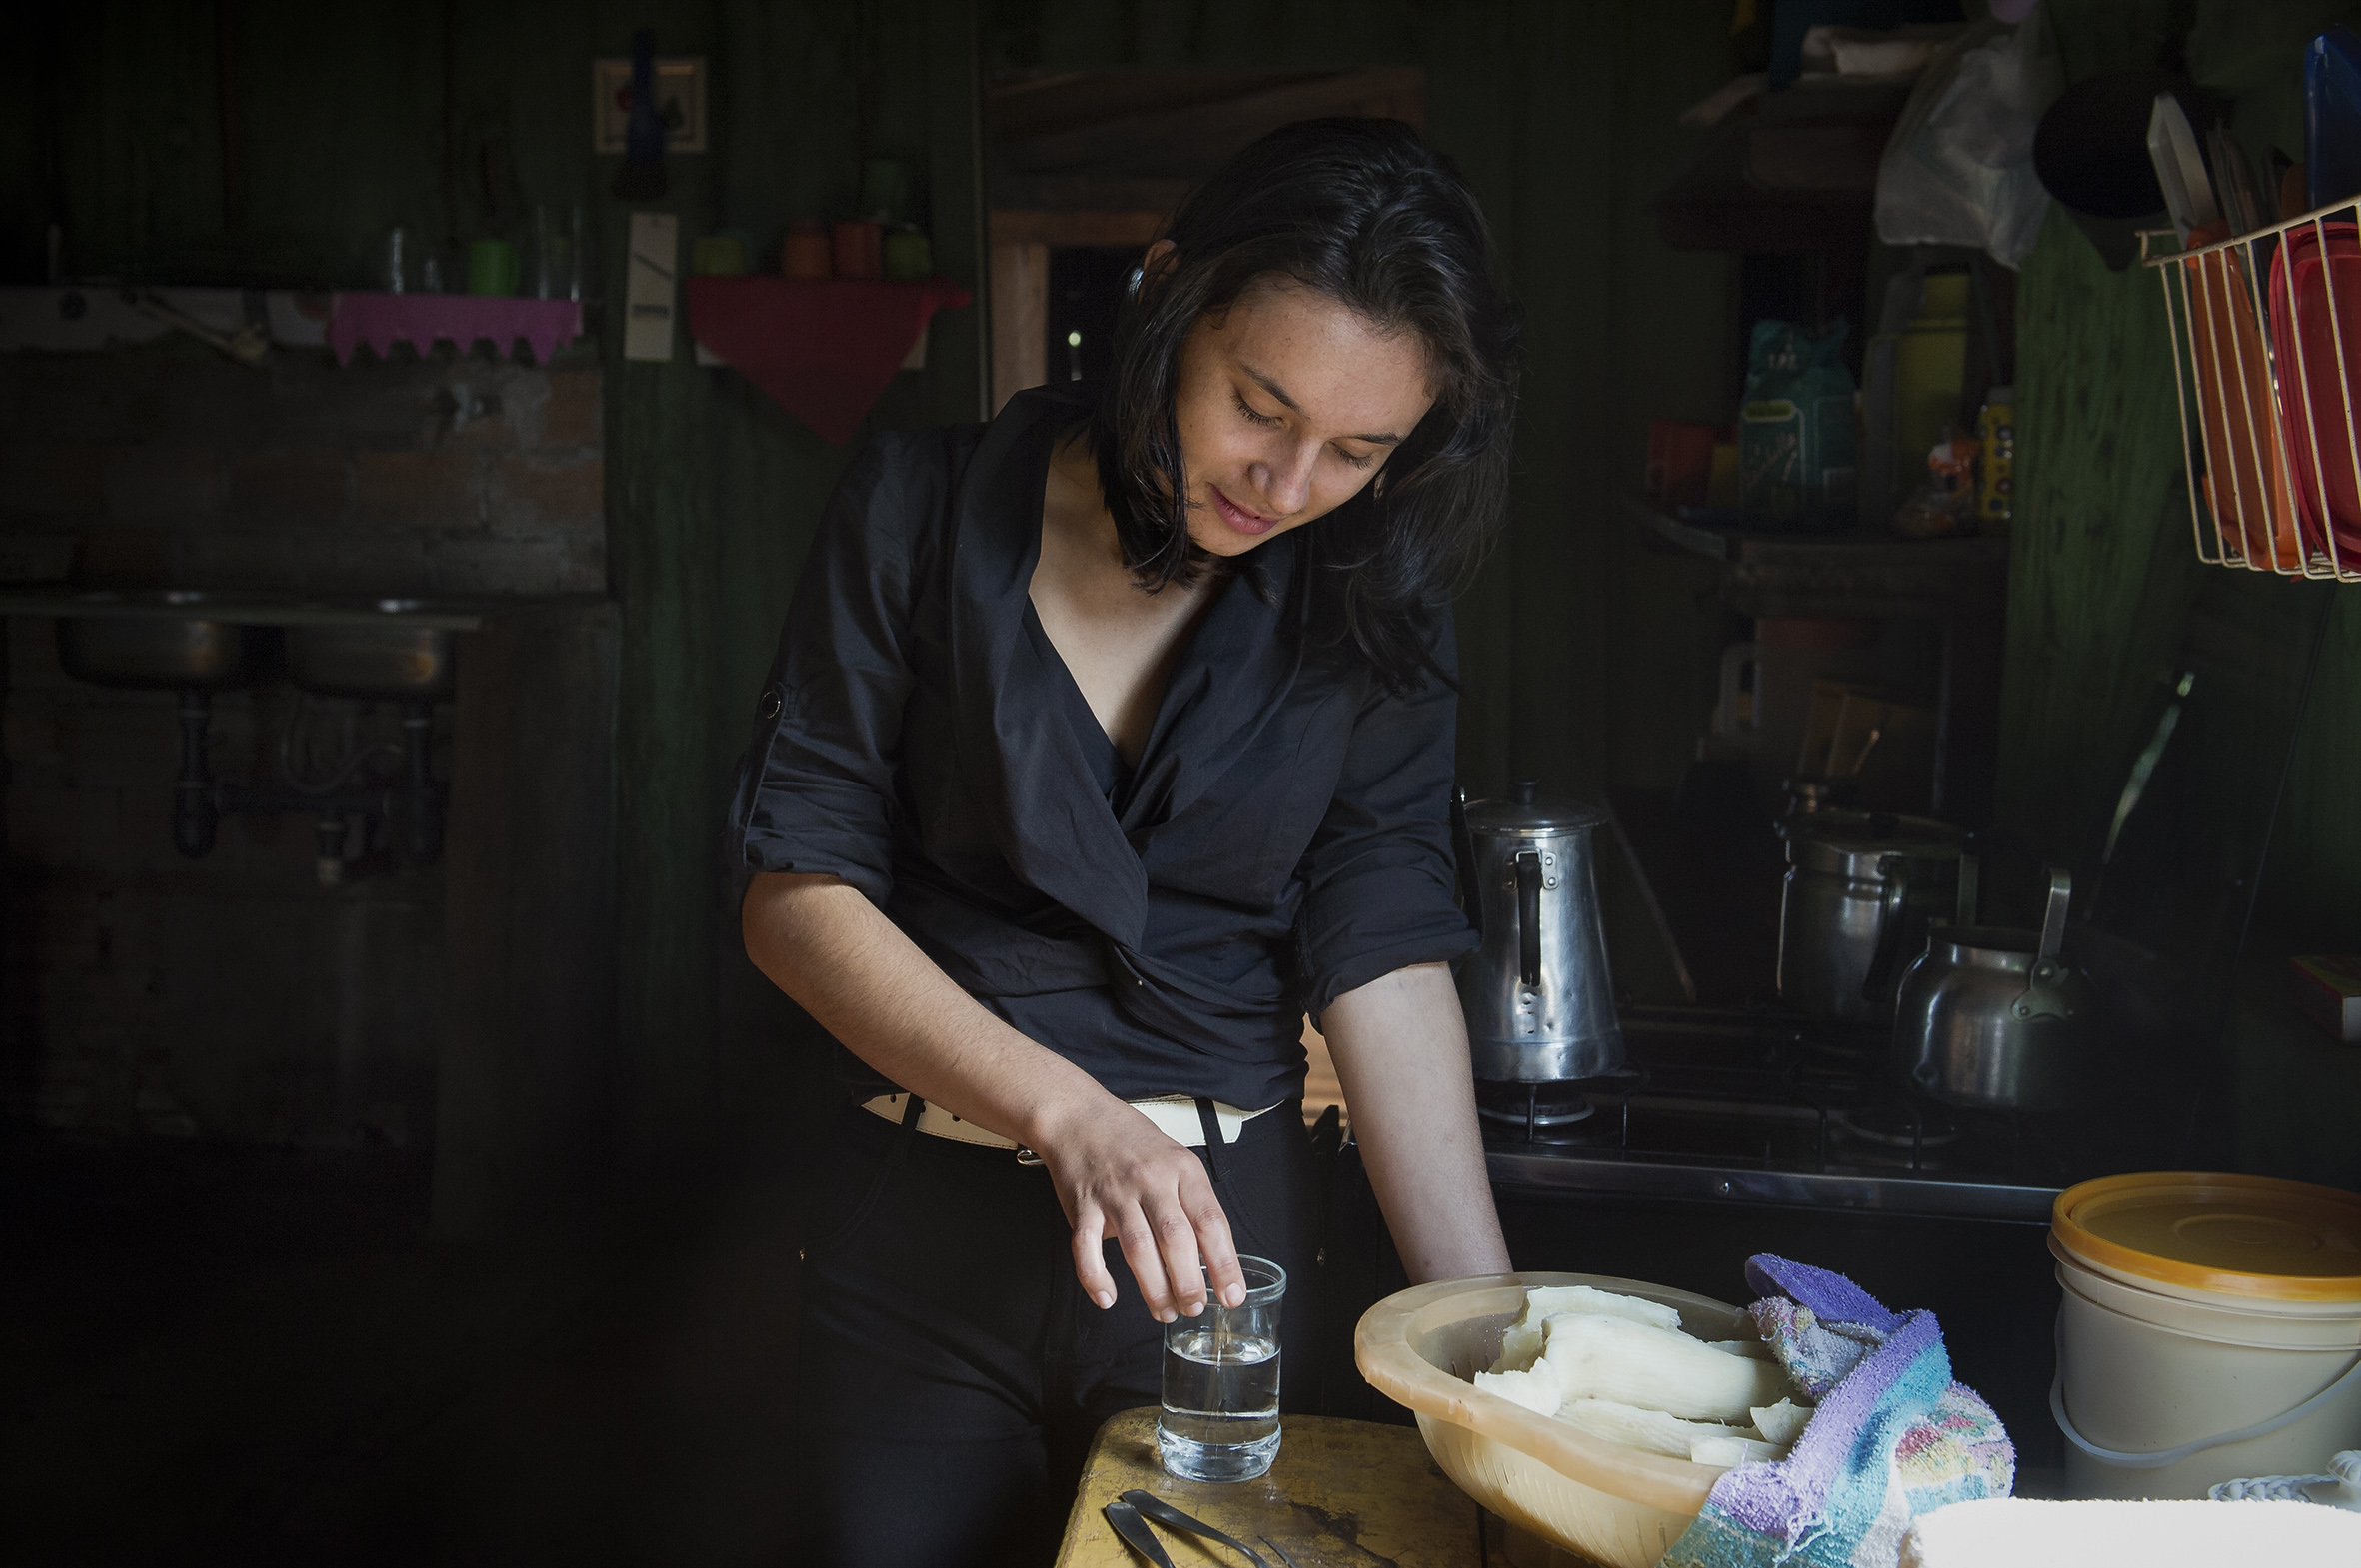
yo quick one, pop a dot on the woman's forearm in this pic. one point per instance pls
(870, 987)
(1117, 1177)
(1400, 1048)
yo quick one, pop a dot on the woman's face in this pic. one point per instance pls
(1288, 404)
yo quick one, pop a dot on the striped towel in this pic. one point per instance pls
(1892, 1437)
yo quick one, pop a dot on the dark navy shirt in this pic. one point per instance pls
(1282, 839)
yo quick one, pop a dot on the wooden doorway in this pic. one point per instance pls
(1083, 168)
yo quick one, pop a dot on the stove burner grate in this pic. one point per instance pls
(1535, 1112)
(1895, 1127)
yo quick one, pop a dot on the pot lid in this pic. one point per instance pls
(2253, 1236)
(1525, 810)
(1853, 841)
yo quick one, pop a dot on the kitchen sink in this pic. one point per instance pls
(164, 638)
(397, 657)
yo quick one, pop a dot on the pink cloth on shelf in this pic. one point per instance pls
(383, 320)
(823, 350)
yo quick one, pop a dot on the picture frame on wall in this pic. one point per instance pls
(679, 103)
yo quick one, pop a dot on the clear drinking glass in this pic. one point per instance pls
(1221, 1386)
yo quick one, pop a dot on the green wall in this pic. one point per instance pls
(2104, 573)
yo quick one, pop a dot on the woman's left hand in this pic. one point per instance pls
(1121, 1179)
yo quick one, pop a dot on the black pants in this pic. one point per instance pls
(950, 1371)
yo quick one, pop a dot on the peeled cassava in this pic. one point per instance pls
(1537, 1390)
(1652, 1430)
(1522, 1346)
(1782, 1422)
(1657, 1368)
(1733, 1451)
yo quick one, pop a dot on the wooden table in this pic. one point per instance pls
(1343, 1494)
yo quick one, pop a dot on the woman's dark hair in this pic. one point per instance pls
(1369, 215)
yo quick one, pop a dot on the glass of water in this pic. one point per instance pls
(1220, 1414)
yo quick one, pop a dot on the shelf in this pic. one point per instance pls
(1864, 573)
(1793, 170)
(269, 607)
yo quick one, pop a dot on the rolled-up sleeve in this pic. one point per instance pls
(816, 789)
(1380, 873)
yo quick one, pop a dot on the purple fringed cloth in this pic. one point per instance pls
(1892, 1437)
(383, 320)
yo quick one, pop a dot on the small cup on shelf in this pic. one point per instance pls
(492, 267)
(910, 257)
(718, 256)
(858, 248)
(805, 252)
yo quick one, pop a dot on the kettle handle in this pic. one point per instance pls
(2053, 919)
(2046, 997)
(1895, 870)
(1464, 851)
(1528, 916)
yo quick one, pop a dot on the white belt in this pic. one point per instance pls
(1174, 1116)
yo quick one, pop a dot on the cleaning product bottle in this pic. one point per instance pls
(1996, 432)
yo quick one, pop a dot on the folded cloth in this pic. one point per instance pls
(1892, 1438)
(2022, 1532)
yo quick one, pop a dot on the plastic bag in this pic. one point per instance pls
(1958, 168)
(1795, 431)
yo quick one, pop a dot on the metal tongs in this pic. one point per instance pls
(1130, 1513)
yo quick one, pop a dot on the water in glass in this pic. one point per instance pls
(1220, 1385)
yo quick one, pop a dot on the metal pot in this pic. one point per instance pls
(1860, 890)
(1995, 1018)
(1540, 1006)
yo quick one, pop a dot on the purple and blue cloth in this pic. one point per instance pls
(1893, 1436)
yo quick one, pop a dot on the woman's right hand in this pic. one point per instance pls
(1119, 1178)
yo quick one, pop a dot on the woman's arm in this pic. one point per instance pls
(825, 944)
(1401, 1047)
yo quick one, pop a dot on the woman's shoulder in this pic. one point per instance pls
(901, 487)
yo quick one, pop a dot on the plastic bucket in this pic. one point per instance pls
(2170, 1380)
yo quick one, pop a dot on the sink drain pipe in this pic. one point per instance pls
(200, 801)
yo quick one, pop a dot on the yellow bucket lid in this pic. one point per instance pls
(2253, 1236)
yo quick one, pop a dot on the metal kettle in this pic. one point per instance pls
(1995, 1018)
(1539, 1002)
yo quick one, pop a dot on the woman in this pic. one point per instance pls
(1105, 740)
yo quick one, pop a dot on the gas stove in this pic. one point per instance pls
(1759, 1104)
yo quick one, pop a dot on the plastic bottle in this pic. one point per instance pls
(1996, 429)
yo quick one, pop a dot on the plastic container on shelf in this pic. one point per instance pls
(806, 251)
(1618, 1506)
(2315, 306)
(2210, 1330)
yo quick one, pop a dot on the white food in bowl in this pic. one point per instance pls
(1657, 1369)
(1620, 1505)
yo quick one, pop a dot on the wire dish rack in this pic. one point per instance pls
(2266, 358)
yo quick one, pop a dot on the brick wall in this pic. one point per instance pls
(235, 997)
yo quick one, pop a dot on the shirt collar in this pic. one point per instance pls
(1016, 749)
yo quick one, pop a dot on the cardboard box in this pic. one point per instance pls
(2328, 988)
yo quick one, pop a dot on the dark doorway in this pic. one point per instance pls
(1087, 285)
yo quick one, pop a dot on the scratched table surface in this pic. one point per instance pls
(1342, 1494)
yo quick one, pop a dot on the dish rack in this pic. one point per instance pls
(2266, 359)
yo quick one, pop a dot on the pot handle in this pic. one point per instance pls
(1895, 870)
(1528, 916)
